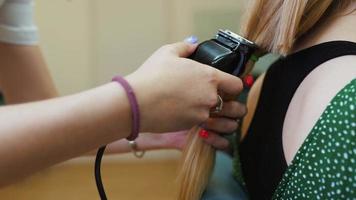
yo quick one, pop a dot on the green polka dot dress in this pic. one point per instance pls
(325, 167)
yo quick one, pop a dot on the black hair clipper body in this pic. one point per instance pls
(227, 52)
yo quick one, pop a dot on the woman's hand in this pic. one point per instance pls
(224, 122)
(221, 123)
(150, 141)
(171, 140)
(175, 93)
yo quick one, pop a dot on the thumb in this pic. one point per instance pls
(183, 49)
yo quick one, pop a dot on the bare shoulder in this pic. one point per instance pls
(330, 77)
(327, 80)
(312, 98)
(341, 67)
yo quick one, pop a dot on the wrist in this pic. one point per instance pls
(150, 141)
(174, 140)
(144, 97)
(154, 141)
(134, 106)
(119, 108)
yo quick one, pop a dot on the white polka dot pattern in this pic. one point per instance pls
(324, 167)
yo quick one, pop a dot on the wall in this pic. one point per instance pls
(67, 41)
(127, 32)
(86, 42)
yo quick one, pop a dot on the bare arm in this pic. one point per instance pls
(24, 75)
(149, 141)
(37, 135)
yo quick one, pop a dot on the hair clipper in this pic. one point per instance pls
(227, 52)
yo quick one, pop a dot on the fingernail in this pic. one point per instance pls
(192, 39)
(203, 133)
(248, 80)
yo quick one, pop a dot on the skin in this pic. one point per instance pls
(38, 85)
(318, 88)
(321, 85)
(220, 123)
(40, 134)
(24, 75)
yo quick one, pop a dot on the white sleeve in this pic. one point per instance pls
(16, 22)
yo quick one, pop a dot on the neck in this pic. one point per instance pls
(338, 28)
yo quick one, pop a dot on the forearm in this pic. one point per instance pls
(24, 75)
(36, 135)
(148, 141)
(144, 142)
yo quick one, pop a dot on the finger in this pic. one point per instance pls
(192, 39)
(229, 84)
(216, 141)
(232, 109)
(227, 97)
(221, 125)
(182, 49)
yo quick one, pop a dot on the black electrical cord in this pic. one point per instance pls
(97, 172)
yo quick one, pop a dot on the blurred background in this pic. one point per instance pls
(86, 42)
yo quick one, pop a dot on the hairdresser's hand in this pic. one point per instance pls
(150, 141)
(176, 93)
(222, 123)
(177, 140)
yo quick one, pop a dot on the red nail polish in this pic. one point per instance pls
(249, 80)
(203, 133)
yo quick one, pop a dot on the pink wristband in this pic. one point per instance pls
(135, 127)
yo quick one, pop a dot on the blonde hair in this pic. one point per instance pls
(274, 25)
